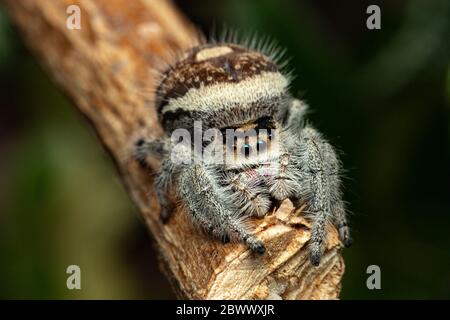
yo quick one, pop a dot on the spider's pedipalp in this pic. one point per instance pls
(248, 193)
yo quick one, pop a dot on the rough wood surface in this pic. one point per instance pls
(106, 69)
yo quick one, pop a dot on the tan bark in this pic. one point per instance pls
(107, 69)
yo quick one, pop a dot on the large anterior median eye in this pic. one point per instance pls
(261, 145)
(246, 149)
(231, 145)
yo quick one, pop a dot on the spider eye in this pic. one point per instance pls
(246, 149)
(230, 145)
(261, 146)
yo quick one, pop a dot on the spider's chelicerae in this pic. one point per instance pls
(228, 86)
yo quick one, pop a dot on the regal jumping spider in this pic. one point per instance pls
(229, 86)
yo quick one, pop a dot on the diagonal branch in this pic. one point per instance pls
(107, 69)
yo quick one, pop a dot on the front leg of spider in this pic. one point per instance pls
(205, 201)
(320, 171)
(316, 168)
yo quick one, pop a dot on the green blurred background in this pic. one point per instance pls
(381, 96)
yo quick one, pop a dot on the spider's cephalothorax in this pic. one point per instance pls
(227, 86)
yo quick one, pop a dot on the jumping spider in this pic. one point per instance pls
(229, 86)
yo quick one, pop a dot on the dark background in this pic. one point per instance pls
(381, 96)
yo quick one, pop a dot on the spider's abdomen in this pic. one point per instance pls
(222, 85)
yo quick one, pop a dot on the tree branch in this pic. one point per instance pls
(106, 68)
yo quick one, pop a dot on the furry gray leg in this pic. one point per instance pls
(320, 171)
(340, 221)
(206, 201)
(166, 206)
(150, 148)
(158, 148)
